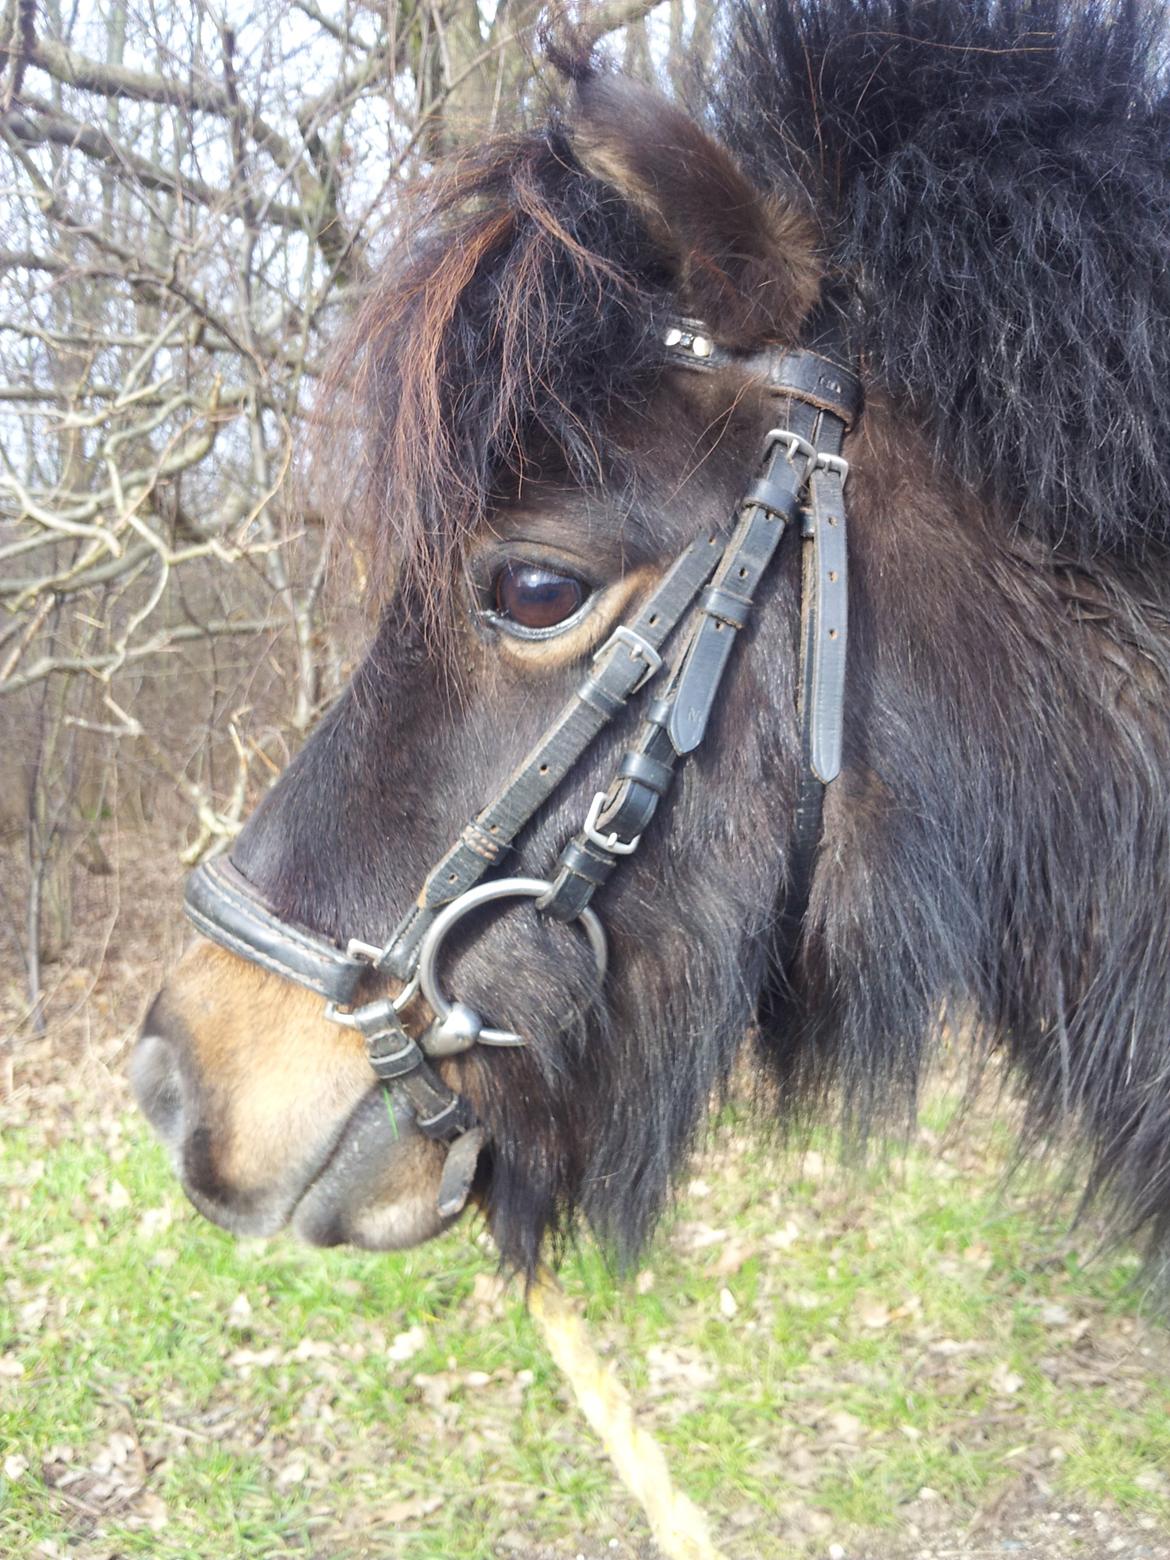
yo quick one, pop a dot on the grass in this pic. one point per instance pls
(827, 1356)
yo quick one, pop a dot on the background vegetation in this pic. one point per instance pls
(905, 1361)
(193, 195)
(902, 1362)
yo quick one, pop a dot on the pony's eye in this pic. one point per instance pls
(533, 597)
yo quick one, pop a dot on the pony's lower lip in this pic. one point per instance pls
(280, 1209)
(374, 1189)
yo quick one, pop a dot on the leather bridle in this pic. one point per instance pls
(705, 598)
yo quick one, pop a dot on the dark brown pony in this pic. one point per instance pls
(983, 186)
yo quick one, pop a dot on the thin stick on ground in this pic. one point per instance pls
(679, 1527)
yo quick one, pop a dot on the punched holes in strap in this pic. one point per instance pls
(828, 639)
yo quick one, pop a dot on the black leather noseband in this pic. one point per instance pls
(223, 905)
(704, 600)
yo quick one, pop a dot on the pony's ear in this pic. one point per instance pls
(746, 263)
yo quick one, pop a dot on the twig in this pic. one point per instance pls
(680, 1529)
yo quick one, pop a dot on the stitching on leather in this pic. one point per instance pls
(286, 936)
(471, 843)
(280, 930)
(477, 836)
(219, 934)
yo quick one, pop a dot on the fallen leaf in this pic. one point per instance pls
(435, 1389)
(845, 1427)
(782, 1239)
(312, 1349)
(240, 1311)
(248, 1359)
(405, 1345)
(150, 1511)
(1005, 1381)
(874, 1315)
(154, 1221)
(697, 1236)
(294, 1472)
(410, 1510)
(670, 1369)
(488, 1290)
(734, 1255)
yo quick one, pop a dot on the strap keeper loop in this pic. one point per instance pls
(591, 692)
(726, 606)
(650, 772)
(776, 491)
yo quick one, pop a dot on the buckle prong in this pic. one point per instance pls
(793, 445)
(611, 842)
(836, 464)
(640, 650)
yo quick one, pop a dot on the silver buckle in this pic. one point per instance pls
(794, 444)
(640, 650)
(612, 843)
(837, 465)
(355, 948)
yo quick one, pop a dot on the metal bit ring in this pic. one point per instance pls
(482, 894)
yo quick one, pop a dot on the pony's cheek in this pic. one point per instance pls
(271, 1113)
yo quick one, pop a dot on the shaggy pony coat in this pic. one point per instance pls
(986, 187)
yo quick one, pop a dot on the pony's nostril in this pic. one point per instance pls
(157, 1082)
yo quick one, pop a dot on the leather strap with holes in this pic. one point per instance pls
(676, 723)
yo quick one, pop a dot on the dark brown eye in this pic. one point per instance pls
(533, 597)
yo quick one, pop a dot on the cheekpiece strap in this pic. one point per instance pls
(628, 659)
(801, 459)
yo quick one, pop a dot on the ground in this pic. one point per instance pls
(914, 1359)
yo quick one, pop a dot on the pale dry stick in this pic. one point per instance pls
(222, 825)
(680, 1529)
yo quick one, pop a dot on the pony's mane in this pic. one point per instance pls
(993, 181)
(512, 321)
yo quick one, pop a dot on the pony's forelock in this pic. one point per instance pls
(511, 322)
